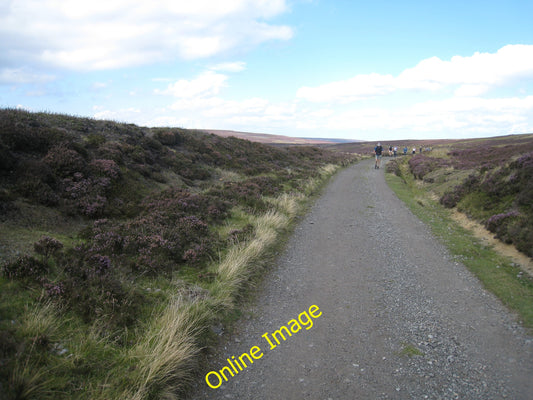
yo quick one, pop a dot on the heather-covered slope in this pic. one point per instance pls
(491, 180)
(113, 240)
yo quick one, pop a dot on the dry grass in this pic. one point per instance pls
(28, 379)
(226, 175)
(439, 152)
(328, 170)
(289, 204)
(164, 359)
(40, 321)
(487, 237)
(236, 268)
(324, 172)
(165, 356)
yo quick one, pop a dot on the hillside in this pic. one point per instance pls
(489, 180)
(121, 245)
(273, 139)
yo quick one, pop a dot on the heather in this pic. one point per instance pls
(421, 165)
(505, 273)
(490, 180)
(110, 232)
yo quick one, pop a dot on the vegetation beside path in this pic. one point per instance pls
(490, 181)
(122, 247)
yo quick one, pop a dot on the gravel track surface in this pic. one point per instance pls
(400, 318)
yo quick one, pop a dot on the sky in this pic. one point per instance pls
(360, 70)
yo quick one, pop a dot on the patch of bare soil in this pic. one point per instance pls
(507, 250)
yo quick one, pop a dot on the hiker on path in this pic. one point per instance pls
(378, 151)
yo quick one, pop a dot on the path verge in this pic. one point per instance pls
(499, 273)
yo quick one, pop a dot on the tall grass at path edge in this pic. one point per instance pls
(164, 361)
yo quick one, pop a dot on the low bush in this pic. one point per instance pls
(105, 168)
(499, 224)
(25, 267)
(7, 159)
(513, 228)
(393, 167)
(169, 137)
(422, 165)
(171, 229)
(522, 176)
(64, 161)
(87, 194)
(488, 155)
(450, 199)
(47, 247)
(90, 288)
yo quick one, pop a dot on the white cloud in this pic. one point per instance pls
(451, 117)
(237, 66)
(471, 76)
(452, 104)
(206, 84)
(23, 75)
(356, 88)
(100, 85)
(444, 118)
(125, 114)
(216, 108)
(490, 69)
(470, 90)
(103, 34)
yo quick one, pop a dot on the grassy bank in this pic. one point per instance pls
(497, 273)
(122, 246)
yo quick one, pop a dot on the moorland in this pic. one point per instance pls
(123, 248)
(489, 180)
(126, 250)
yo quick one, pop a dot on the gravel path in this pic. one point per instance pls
(400, 318)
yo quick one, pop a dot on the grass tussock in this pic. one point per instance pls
(166, 354)
(41, 321)
(289, 204)
(31, 381)
(236, 267)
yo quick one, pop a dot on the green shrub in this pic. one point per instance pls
(393, 167)
(25, 267)
(169, 138)
(47, 247)
(95, 139)
(64, 161)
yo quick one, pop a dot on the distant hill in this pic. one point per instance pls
(274, 139)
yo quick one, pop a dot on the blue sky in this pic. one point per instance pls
(366, 70)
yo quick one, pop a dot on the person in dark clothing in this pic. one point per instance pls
(378, 151)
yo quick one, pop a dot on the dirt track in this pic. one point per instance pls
(400, 319)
